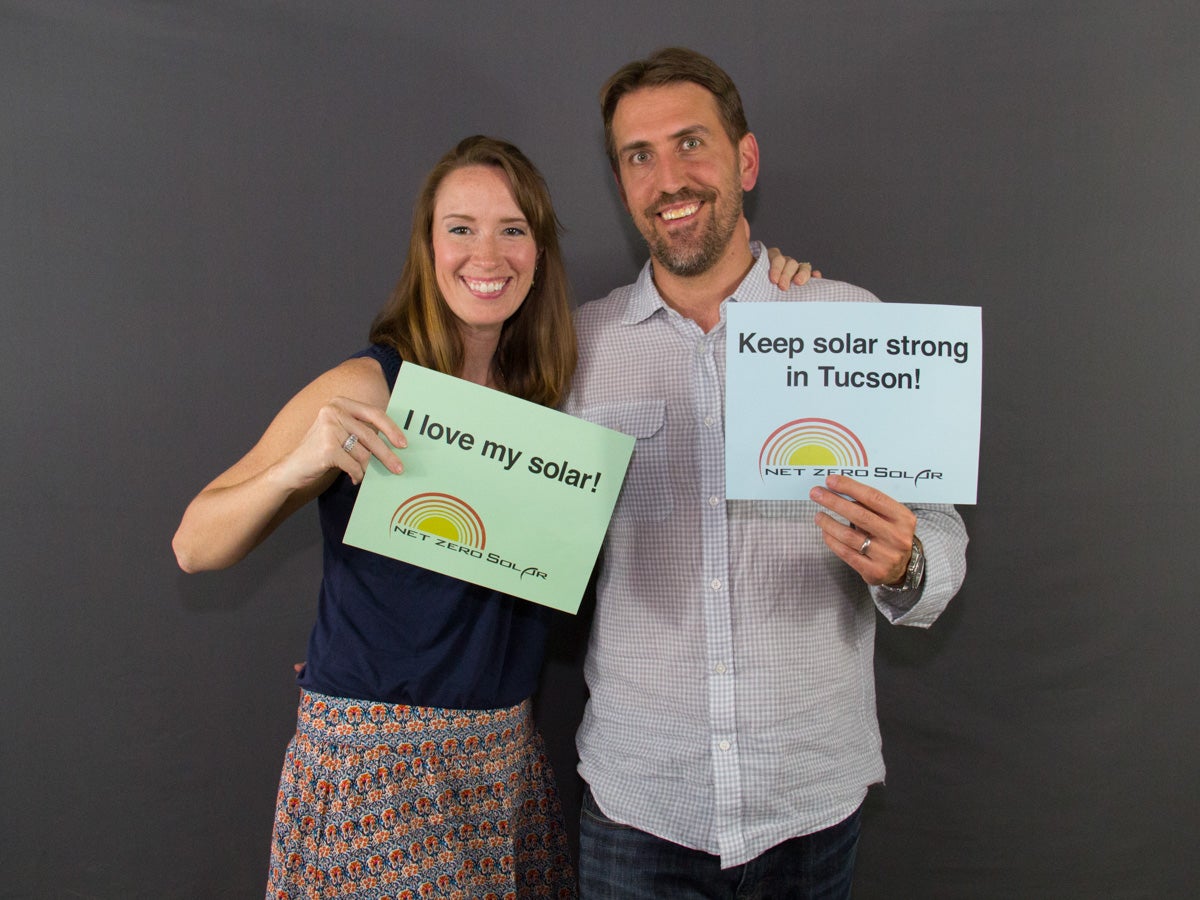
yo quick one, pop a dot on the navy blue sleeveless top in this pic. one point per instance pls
(398, 633)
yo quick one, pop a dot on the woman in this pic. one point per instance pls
(415, 770)
(415, 766)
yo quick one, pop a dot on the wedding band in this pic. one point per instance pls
(348, 445)
(866, 546)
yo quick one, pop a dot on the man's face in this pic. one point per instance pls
(680, 175)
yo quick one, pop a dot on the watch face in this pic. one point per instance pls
(916, 564)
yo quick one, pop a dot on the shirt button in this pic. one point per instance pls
(719, 668)
(713, 501)
(715, 584)
(701, 349)
(724, 745)
(709, 421)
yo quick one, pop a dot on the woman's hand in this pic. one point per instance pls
(299, 455)
(786, 272)
(344, 435)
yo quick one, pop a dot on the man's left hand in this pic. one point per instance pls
(878, 541)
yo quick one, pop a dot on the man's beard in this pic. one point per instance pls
(694, 254)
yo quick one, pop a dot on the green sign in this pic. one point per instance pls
(495, 490)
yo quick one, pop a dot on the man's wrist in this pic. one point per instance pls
(914, 572)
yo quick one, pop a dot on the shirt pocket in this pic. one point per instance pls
(646, 495)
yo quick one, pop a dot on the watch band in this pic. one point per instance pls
(915, 573)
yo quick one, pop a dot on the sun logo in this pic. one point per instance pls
(812, 442)
(442, 515)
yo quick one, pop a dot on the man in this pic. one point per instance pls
(730, 735)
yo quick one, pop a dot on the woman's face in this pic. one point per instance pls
(483, 249)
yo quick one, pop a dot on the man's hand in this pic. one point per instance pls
(878, 541)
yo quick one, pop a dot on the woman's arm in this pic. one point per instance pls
(298, 457)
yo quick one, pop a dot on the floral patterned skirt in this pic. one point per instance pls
(392, 802)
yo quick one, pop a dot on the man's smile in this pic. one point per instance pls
(680, 212)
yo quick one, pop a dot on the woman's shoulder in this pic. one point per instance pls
(385, 356)
(362, 377)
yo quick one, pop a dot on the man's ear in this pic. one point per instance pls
(747, 149)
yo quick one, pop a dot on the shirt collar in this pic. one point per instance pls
(645, 299)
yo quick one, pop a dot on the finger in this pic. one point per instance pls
(354, 467)
(778, 262)
(851, 556)
(377, 418)
(786, 271)
(365, 422)
(877, 561)
(865, 499)
(891, 538)
(339, 438)
(855, 514)
(816, 273)
(841, 533)
(370, 444)
(357, 448)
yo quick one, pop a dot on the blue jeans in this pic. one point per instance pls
(617, 861)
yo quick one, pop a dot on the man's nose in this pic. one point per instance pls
(670, 175)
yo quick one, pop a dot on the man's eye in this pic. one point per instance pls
(691, 143)
(639, 157)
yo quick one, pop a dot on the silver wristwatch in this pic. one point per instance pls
(915, 572)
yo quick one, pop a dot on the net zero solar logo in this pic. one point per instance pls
(810, 442)
(442, 515)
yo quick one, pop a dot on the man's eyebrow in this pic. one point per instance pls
(632, 145)
(699, 129)
(692, 129)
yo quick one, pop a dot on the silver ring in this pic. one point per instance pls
(348, 445)
(865, 547)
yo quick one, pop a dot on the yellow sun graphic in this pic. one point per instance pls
(812, 455)
(440, 526)
(442, 515)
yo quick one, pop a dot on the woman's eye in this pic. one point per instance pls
(459, 229)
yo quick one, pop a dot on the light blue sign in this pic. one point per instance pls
(887, 393)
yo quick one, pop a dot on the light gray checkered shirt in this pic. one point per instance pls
(731, 661)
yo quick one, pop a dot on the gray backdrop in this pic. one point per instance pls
(203, 205)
